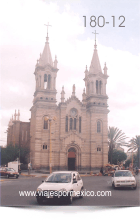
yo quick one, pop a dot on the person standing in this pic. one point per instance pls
(29, 168)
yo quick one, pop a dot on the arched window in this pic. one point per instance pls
(66, 124)
(74, 123)
(100, 86)
(71, 123)
(98, 148)
(39, 81)
(49, 81)
(72, 149)
(44, 146)
(45, 81)
(46, 125)
(79, 124)
(96, 86)
(98, 127)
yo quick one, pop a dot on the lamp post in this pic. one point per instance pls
(50, 123)
(132, 156)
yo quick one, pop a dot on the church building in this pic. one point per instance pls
(72, 135)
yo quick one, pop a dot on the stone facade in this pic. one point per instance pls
(18, 132)
(73, 134)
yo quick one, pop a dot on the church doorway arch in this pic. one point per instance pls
(71, 158)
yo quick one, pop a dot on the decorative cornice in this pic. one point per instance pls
(96, 96)
(45, 68)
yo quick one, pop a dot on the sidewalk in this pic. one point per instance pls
(33, 174)
(45, 174)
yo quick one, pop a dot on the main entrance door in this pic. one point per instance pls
(71, 159)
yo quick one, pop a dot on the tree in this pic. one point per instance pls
(130, 161)
(115, 137)
(11, 153)
(135, 146)
(117, 156)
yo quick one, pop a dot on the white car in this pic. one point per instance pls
(62, 185)
(123, 178)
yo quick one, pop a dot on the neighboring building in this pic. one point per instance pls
(79, 129)
(18, 132)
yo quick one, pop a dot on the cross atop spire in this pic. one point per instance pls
(95, 39)
(47, 38)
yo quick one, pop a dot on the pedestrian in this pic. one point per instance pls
(101, 170)
(136, 170)
(29, 167)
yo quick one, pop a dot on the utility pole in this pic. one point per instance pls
(50, 123)
(19, 159)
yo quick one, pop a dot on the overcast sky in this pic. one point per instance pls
(22, 39)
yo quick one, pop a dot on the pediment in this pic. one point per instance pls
(73, 98)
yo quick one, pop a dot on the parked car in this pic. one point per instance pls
(123, 178)
(8, 172)
(62, 185)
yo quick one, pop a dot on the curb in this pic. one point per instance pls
(2, 180)
(27, 175)
(22, 174)
(85, 175)
(31, 175)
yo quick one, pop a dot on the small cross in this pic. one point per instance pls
(95, 36)
(47, 27)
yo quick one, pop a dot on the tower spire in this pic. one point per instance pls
(45, 57)
(95, 63)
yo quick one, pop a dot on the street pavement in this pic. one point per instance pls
(119, 197)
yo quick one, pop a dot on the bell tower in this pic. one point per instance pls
(95, 100)
(45, 76)
(44, 107)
